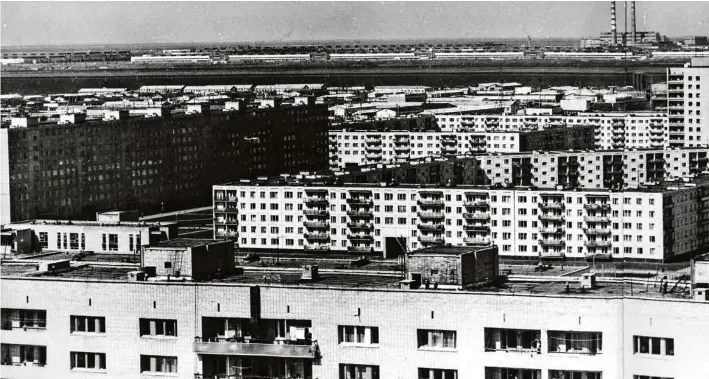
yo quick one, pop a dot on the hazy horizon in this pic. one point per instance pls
(124, 23)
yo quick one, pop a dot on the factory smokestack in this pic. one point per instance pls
(625, 23)
(614, 35)
(632, 21)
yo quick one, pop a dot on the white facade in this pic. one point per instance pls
(522, 222)
(688, 104)
(171, 59)
(371, 56)
(269, 57)
(479, 55)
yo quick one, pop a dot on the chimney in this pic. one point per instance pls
(625, 23)
(632, 21)
(614, 35)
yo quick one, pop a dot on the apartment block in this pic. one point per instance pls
(687, 103)
(352, 148)
(245, 327)
(73, 170)
(611, 169)
(655, 223)
(636, 130)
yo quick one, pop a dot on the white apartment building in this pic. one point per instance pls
(688, 103)
(638, 130)
(349, 148)
(651, 224)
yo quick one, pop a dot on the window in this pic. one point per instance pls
(436, 339)
(350, 371)
(358, 334)
(153, 363)
(563, 374)
(653, 345)
(91, 361)
(43, 240)
(88, 324)
(24, 355)
(437, 373)
(575, 342)
(157, 327)
(512, 339)
(59, 241)
(113, 242)
(512, 373)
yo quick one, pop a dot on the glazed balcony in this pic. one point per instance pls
(476, 216)
(316, 247)
(597, 207)
(373, 148)
(430, 215)
(552, 242)
(373, 156)
(552, 205)
(316, 225)
(232, 346)
(373, 141)
(597, 243)
(431, 227)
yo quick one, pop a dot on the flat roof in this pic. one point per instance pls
(185, 242)
(531, 283)
(90, 223)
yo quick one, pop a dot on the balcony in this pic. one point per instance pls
(316, 212)
(359, 225)
(373, 149)
(317, 236)
(552, 242)
(597, 243)
(597, 207)
(596, 219)
(476, 241)
(360, 237)
(449, 149)
(552, 218)
(597, 231)
(315, 190)
(430, 215)
(373, 141)
(255, 349)
(316, 225)
(554, 205)
(431, 227)
(353, 213)
(477, 204)
(476, 216)
(316, 201)
(432, 193)
(430, 203)
(373, 156)
(551, 230)
(431, 239)
(314, 247)
(476, 228)
(401, 140)
(360, 249)
(359, 201)
(402, 149)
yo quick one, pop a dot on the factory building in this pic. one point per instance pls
(687, 93)
(251, 325)
(371, 56)
(170, 59)
(479, 55)
(348, 147)
(654, 223)
(73, 170)
(269, 58)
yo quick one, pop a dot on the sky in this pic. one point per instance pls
(29, 23)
